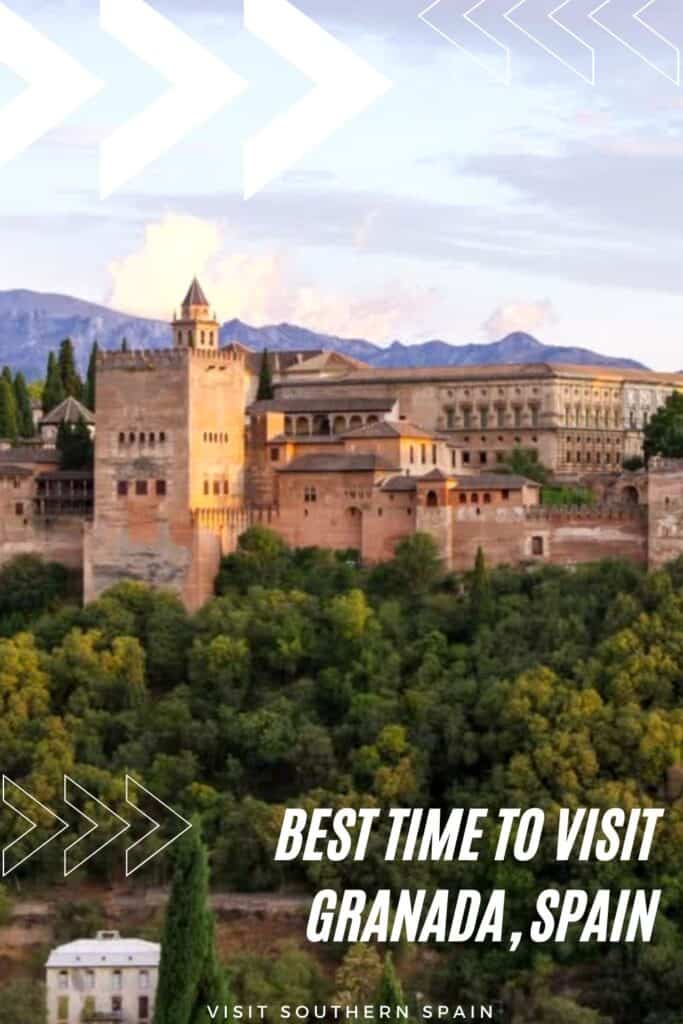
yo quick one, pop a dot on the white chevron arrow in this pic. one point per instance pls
(608, 8)
(13, 788)
(488, 63)
(583, 67)
(131, 784)
(57, 84)
(202, 85)
(69, 782)
(345, 86)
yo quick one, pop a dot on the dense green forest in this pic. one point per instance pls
(312, 682)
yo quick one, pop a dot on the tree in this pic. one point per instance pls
(358, 976)
(70, 377)
(524, 462)
(664, 430)
(390, 991)
(53, 392)
(90, 380)
(188, 956)
(75, 445)
(265, 383)
(22, 1000)
(481, 601)
(125, 347)
(8, 409)
(23, 404)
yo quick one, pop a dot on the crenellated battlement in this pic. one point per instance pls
(572, 513)
(157, 358)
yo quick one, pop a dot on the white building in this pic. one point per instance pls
(108, 980)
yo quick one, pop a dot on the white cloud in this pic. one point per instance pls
(519, 316)
(260, 286)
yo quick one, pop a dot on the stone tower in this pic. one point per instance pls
(169, 460)
(195, 328)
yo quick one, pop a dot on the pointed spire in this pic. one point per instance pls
(195, 295)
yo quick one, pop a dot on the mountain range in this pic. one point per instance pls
(32, 324)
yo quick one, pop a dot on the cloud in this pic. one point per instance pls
(518, 316)
(259, 285)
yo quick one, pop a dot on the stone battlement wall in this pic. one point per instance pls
(152, 359)
(597, 513)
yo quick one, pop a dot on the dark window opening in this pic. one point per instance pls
(537, 545)
(122, 488)
(161, 488)
(141, 488)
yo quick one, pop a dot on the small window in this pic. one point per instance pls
(161, 488)
(131, 437)
(463, 499)
(412, 454)
(143, 980)
(116, 981)
(226, 487)
(122, 488)
(19, 508)
(122, 438)
(505, 495)
(143, 1007)
(380, 511)
(483, 458)
(142, 438)
(141, 488)
(434, 454)
(466, 458)
(487, 499)
(216, 487)
(152, 438)
(90, 980)
(423, 454)
(274, 454)
(63, 1010)
(537, 545)
(475, 498)
(116, 1004)
(206, 487)
(63, 983)
(453, 460)
(162, 436)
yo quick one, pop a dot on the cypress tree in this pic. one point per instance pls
(124, 345)
(481, 600)
(53, 392)
(265, 381)
(8, 409)
(24, 411)
(89, 391)
(74, 445)
(389, 990)
(188, 958)
(212, 989)
(71, 380)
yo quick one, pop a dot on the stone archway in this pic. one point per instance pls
(629, 494)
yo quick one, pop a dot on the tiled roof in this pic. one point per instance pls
(29, 454)
(387, 428)
(106, 952)
(18, 471)
(324, 405)
(494, 482)
(306, 439)
(195, 296)
(68, 411)
(400, 483)
(434, 475)
(321, 462)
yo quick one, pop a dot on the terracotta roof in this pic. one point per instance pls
(68, 411)
(195, 295)
(400, 483)
(494, 482)
(306, 439)
(29, 454)
(356, 403)
(324, 359)
(19, 471)
(434, 475)
(387, 428)
(321, 462)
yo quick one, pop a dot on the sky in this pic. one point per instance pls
(456, 207)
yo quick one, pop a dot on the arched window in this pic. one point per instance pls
(432, 500)
(302, 425)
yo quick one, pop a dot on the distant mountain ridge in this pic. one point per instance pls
(32, 324)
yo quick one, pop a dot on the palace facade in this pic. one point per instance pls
(342, 455)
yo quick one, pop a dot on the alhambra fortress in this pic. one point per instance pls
(344, 456)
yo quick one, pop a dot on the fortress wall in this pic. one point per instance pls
(57, 540)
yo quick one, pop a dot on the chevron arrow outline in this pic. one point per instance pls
(552, 16)
(57, 84)
(6, 783)
(94, 826)
(676, 77)
(345, 84)
(202, 85)
(155, 825)
(506, 77)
